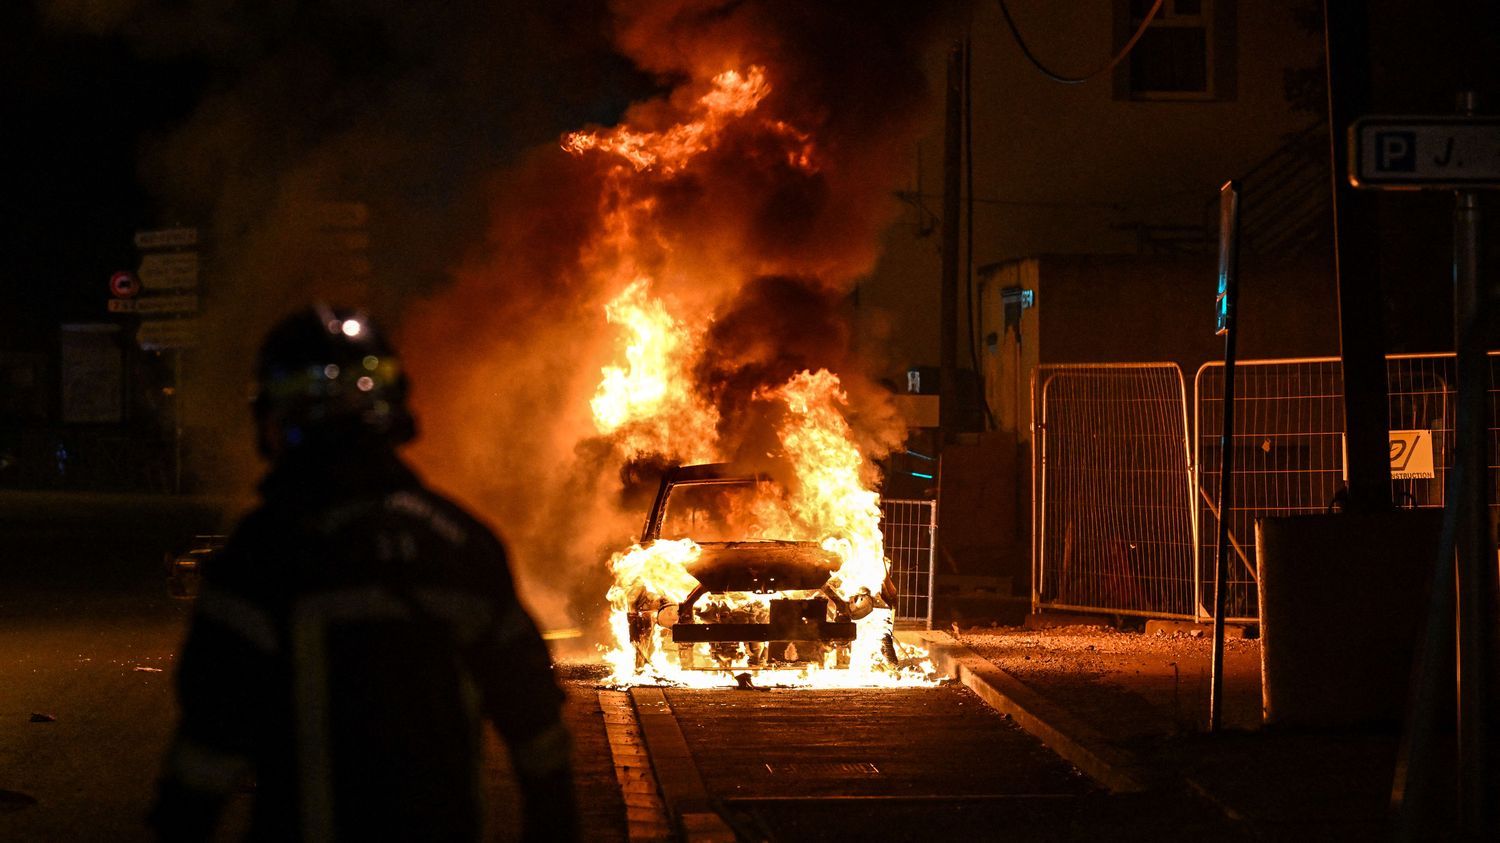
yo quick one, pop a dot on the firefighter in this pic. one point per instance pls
(356, 630)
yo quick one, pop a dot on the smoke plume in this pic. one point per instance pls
(409, 157)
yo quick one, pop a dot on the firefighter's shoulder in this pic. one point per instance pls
(479, 558)
(250, 555)
(446, 519)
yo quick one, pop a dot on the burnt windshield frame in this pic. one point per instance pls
(712, 473)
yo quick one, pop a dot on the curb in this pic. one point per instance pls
(645, 814)
(687, 800)
(1063, 733)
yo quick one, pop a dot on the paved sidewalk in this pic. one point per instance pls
(1131, 709)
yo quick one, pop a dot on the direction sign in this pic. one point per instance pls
(166, 238)
(169, 270)
(124, 285)
(155, 304)
(1425, 153)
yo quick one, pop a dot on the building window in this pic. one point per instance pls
(1187, 53)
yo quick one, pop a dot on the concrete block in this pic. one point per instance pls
(1342, 599)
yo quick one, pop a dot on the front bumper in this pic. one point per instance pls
(832, 632)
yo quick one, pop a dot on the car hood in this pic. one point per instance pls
(762, 566)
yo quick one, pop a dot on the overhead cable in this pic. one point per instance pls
(1078, 80)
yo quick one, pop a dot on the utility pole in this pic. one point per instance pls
(1361, 315)
(948, 414)
(1475, 544)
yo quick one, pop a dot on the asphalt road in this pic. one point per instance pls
(100, 668)
(877, 764)
(916, 764)
(88, 637)
(105, 677)
(910, 764)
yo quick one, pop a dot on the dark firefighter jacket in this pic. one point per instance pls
(345, 646)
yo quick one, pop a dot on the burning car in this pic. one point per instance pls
(731, 589)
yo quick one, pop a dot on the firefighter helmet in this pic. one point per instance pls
(326, 376)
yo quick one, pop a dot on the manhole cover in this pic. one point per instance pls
(861, 768)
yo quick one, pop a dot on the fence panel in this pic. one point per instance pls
(1113, 483)
(1289, 459)
(910, 529)
(1289, 423)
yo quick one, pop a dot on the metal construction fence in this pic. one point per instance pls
(1289, 448)
(910, 529)
(1112, 481)
(1124, 523)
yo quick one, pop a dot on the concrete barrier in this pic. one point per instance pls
(1342, 599)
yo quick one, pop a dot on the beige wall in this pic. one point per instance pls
(1007, 362)
(1059, 169)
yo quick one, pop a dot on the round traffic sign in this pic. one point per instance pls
(124, 285)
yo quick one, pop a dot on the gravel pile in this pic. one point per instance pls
(1127, 684)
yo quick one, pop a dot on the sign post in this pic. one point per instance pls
(168, 280)
(1476, 546)
(1229, 259)
(1459, 153)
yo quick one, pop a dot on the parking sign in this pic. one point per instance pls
(1425, 153)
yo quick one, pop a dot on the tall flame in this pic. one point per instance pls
(832, 498)
(733, 94)
(648, 291)
(644, 402)
(649, 403)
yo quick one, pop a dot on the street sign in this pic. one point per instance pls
(124, 285)
(166, 238)
(169, 270)
(1229, 257)
(161, 334)
(155, 304)
(1450, 152)
(1411, 455)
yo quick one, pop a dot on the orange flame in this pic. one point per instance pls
(831, 502)
(646, 403)
(832, 498)
(733, 94)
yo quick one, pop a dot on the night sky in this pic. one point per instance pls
(75, 108)
(97, 97)
(92, 105)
